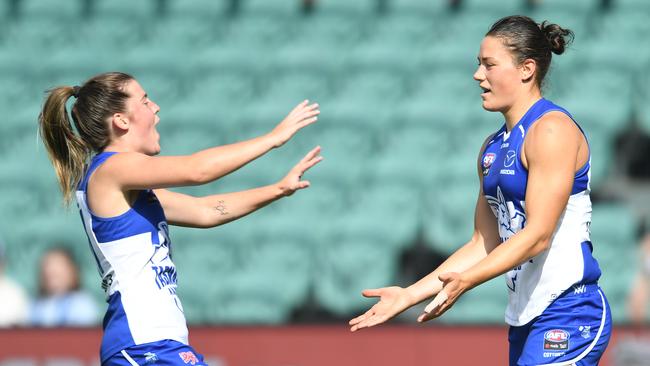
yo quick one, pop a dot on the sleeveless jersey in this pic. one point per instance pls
(533, 285)
(133, 254)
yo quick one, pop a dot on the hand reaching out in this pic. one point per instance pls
(292, 181)
(392, 301)
(301, 116)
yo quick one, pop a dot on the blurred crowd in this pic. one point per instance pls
(59, 300)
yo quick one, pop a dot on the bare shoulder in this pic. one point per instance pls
(554, 123)
(118, 165)
(553, 136)
(123, 159)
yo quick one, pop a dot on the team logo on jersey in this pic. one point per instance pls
(189, 357)
(511, 155)
(510, 219)
(150, 357)
(511, 280)
(488, 160)
(585, 331)
(556, 339)
(162, 250)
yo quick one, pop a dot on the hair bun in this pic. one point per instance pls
(558, 37)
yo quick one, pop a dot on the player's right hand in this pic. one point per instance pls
(301, 116)
(392, 301)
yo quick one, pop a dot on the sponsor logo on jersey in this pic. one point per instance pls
(556, 339)
(511, 155)
(553, 354)
(488, 160)
(507, 171)
(585, 331)
(189, 357)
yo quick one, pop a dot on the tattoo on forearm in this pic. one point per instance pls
(221, 208)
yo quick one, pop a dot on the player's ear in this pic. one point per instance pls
(527, 69)
(120, 121)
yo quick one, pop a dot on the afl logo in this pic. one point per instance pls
(556, 339)
(510, 158)
(488, 159)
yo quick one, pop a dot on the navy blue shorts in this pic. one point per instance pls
(165, 352)
(573, 330)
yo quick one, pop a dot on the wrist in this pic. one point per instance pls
(273, 140)
(411, 295)
(466, 281)
(281, 190)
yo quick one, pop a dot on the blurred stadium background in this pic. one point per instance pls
(400, 128)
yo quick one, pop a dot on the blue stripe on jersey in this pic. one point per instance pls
(142, 217)
(97, 160)
(591, 272)
(117, 335)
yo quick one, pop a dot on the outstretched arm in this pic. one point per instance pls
(185, 210)
(394, 300)
(551, 149)
(133, 171)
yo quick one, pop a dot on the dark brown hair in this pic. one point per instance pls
(69, 149)
(528, 40)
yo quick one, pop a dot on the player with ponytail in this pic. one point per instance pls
(105, 157)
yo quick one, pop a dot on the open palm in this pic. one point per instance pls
(392, 301)
(293, 180)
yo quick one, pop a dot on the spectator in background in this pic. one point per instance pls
(61, 301)
(15, 305)
(640, 292)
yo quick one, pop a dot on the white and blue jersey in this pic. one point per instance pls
(133, 254)
(565, 273)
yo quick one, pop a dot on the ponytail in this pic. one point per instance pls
(97, 100)
(67, 151)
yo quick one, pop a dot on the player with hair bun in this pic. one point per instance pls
(532, 216)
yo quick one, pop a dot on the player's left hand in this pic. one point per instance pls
(453, 286)
(293, 180)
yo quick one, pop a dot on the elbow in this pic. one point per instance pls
(541, 244)
(197, 173)
(197, 177)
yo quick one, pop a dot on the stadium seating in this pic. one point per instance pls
(400, 130)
